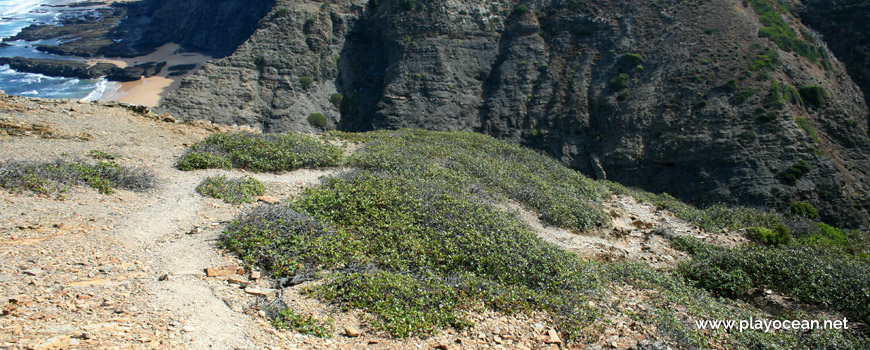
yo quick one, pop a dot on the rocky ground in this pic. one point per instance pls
(141, 270)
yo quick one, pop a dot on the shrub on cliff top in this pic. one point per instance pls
(260, 152)
(55, 177)
(241, 190)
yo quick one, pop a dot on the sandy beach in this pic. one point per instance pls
(149, 91)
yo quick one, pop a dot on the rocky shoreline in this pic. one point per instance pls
(83, 70)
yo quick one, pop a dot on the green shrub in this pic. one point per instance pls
(304, 324)
(795, 172)
(306, 82)
(745, 94)
(241, 190)
(730, 85)
(766, 61)
(829, 280)
(260, 152)
(519, 10)
(779, 235)
(805, 125)
(100, 155)
(729, 283)
(803, 209)
(318, 120)
(779, 31)
(814, 95)
(194, 160)
(619, 83)
(55, 177)
(336, 99)
(480, 164)
(413, 254)
(774, 97)
(792, 95)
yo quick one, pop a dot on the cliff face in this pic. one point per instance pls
(845, 26)
(216, 27)
(681, 97)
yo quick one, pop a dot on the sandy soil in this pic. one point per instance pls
(150, 91)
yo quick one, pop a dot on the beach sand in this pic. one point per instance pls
(150, 91)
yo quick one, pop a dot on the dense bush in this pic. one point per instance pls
(318, 120)
(779, 235)
(815, 276)
(241, 190)
(260, 152)
(55, 177)
(803, 209)
(304, 324)
(412, 253)
(814, 95)
(479, 164)
(792, 174)
(619, 83)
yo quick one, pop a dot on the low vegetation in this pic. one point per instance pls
(318, 119)
(415, 238)
(55, 178)
(240, 190)
(814, 95)
(812, 275)
(778, 30)
(304, 324)
(259, 152)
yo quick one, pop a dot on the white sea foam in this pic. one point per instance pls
(31, 92)
(102, 86)
(10, 8)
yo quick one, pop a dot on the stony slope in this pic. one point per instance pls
(668, 95)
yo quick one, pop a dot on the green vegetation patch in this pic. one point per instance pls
(414, 254)
(240, 190)
(814, 95)
(56, 177)
(805, 125)
(413, 239)
(779, 235)
(775, 28)
(100, 155)
(619, 83)
(318, 120)
(473, 163)
(803, 209)
(305, 324)
(814, 276)
(766, 61)
(795, 172)
(260, 152)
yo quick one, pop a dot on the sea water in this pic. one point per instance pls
(14, 16)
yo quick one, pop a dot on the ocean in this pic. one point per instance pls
(17, 14)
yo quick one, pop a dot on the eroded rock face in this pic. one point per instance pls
(668, 96)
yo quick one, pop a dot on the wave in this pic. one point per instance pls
(18, 7)
(30, 93)
(100, 90)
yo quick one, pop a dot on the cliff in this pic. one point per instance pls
(715, 101)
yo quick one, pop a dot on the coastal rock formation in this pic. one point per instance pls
(130, 29)
(82, 70)
(703, 100)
